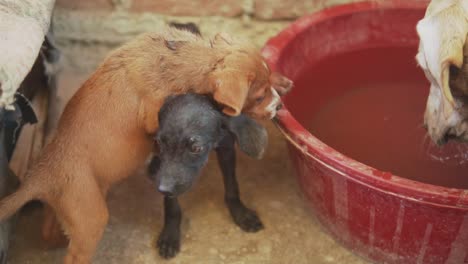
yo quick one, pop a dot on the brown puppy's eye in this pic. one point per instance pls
(260, 99)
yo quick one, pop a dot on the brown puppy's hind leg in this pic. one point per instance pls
(84, 214)
(52, 232)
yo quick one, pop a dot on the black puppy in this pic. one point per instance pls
(190, 127)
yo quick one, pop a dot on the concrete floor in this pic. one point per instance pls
(291, 234)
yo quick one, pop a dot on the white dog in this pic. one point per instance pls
(443, 43)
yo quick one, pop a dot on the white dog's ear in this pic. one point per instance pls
(443, 33)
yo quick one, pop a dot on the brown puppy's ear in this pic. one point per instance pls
(251, 137)
(281, 84)
(230, 91)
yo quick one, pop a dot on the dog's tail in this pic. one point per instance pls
(13, 202)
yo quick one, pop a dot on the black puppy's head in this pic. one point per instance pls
(190, 126)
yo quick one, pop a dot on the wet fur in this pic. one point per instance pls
(189, 121)
(106, 130)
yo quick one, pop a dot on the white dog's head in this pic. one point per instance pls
(443, 34)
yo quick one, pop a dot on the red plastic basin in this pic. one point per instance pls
(380, 216)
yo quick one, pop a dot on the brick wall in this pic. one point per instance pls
(86, 30)
(100, 25)
(260, 9)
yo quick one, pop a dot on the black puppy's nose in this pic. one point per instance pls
(279, 107)
(165, 190)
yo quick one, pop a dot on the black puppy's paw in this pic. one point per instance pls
(247, 219)
(168, 244)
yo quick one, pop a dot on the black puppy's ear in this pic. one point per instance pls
(251, 136)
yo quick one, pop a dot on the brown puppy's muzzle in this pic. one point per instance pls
(280, 85)
(268, 88)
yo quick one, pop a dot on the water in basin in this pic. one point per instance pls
(368, 106)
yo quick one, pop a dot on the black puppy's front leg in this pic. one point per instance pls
(244, 217)
(169, 239)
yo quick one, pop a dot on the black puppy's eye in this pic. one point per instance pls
(195, 147)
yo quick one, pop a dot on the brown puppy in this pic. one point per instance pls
(106, 130)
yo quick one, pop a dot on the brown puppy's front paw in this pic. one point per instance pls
(247, 219)
(168, 244)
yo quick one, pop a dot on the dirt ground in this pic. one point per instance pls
(291, 234)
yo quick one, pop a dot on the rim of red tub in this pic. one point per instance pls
(349, 168)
